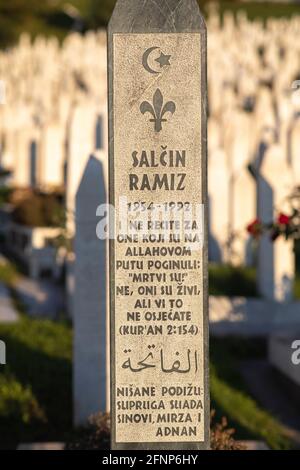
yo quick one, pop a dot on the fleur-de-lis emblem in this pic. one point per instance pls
(158, 110)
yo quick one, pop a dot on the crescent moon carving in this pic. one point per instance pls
(146, 58)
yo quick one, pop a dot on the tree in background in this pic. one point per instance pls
(17, 16)
(53, 17)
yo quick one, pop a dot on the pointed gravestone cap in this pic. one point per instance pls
(154, 16)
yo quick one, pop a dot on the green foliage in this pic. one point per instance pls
(49, 17)
(17, 402)
(35, 386)
(39, 210)
(232, 281)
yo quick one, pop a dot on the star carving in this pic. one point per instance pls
(163, 60)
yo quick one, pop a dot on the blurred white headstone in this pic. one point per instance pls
(90, 304)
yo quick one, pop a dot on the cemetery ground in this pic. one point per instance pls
(36, 383)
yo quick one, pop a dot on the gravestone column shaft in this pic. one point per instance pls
(158, 255)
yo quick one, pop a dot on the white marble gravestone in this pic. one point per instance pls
(90, 302)
(82, 142)
(243, 212)
(157, 105)
(218, 194)
(276, 261)
(243, 189)
(52, 154)
(295, 151)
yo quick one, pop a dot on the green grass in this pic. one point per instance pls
(35, 385)
(230, 397)
(232, 281)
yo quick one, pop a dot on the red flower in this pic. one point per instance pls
(255, 228)
(283, 219)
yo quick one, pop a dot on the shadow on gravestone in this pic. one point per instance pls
(90, 297)
(33, 163)
(81, 144)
